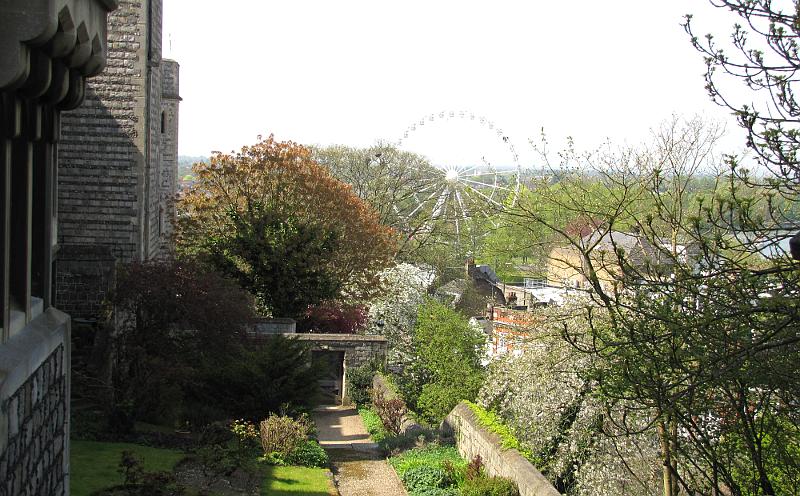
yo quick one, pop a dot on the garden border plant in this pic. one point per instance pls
(493, 423)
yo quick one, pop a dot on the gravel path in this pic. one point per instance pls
(358, 467)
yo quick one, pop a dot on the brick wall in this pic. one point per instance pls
(33, 420)
(473, 440)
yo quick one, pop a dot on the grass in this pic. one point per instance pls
(93, 465)
(286, 481)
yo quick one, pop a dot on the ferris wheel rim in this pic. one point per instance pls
(457, 193)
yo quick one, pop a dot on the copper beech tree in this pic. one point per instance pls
(290, 232)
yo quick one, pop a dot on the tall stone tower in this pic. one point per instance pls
(115, 189)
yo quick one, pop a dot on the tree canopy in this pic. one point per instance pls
(284, 227)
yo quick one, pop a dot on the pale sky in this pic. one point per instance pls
(356, 72)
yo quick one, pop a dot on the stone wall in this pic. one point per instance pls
(102, 149)
(473, 440)
(118, 160)
(112, 161)
(358, 350)
(34, 419)
(273, 326)
(85, 276)
(34, 408)
(168, 185)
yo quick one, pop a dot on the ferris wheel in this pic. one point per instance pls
(460, 192)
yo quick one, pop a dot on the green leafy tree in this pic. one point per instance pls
(446, 366)
(279, 223)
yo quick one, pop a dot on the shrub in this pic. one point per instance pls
(475, 469)
(131, 467)
(156, 303)
(218, 433)
(489, 486)
(258, 380)
(140, 483)
(282, 435)
(333, 318)
(359, 382)
(246, 442)
(432, 455)
(435, 491)
(493, 423)
(446, 364)
(424, 476)
(392, 412)
(308, 454)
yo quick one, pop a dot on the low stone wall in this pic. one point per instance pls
(273, 326)
(380, 383)
(358, 350)
(473, 440)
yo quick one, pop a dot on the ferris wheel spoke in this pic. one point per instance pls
(464, 213)
(422, 204)
(490, 200)
(440, 203)
(493, 186)
(464, 171)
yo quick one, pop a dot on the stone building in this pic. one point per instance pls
(47, 49)
(116, 188)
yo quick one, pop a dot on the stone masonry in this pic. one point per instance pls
(473, 440)
(358, 350)
(35, 421)
(118, 151)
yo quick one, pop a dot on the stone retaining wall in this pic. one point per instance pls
(473, 440)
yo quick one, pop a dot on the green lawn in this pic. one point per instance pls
(93, 465)
(291, 481)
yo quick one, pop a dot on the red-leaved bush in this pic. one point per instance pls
(332, 318)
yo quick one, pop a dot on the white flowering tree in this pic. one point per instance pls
(549, 399)
(394, 313)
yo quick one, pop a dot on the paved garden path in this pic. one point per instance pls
(358, 467)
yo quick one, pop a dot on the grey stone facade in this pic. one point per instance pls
(47, 49)
(84, 277)
(35, 421)
(118, 153)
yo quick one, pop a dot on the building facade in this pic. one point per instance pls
(116, 188)
(47, 49)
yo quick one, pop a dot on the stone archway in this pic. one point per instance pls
(351, 350)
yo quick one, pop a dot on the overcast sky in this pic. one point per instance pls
(356, 72)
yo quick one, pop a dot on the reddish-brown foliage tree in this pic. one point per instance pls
(281, 224)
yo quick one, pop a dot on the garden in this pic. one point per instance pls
(280, 456)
